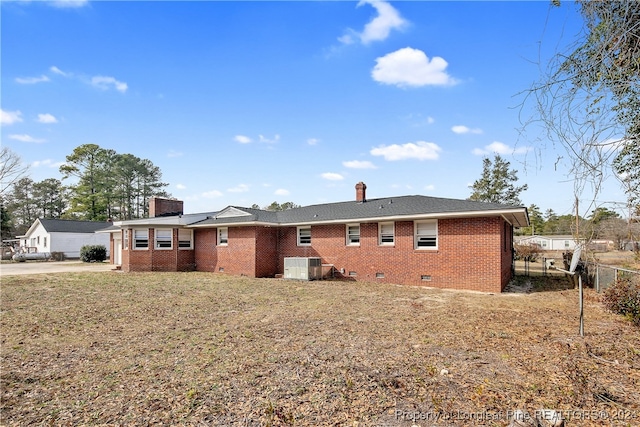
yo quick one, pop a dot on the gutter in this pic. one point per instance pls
(441, 215)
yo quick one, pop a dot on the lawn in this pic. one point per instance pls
(206, 349)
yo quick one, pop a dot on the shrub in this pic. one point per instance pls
(58, 256)
(93, 253)
(527, 252)
(623, 297)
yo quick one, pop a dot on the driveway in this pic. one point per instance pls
(40, 267)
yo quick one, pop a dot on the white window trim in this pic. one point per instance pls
(146, 248)
(348, 236)
(156, 240)
(219, 238)
(298, 235)
(393, 234)
(415, 235)
(125, 239)
(183, 230)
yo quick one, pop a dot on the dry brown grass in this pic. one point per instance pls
(623, 259)
(207, 349)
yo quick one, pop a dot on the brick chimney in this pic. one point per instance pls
(165, 207)
(361, 192)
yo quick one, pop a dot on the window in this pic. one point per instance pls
(353, 235)
(164, 238)
(304, 236)
(140, 239)
(426, 236)
(223, 236)
(125, 239)
(566, 244)
(45, 241)
(185, 239)
(386, 233)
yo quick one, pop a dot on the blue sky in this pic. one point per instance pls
(251, 102)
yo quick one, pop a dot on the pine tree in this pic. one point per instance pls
(497, 184)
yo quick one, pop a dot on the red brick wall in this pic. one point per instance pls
(472, 253)
(159, 207)
(469, 254)
(138, 259)
(266, 252)
(205, 249)
(151, 259)
(237, 257)
(507, 253)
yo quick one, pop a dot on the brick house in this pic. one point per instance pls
(412, 240)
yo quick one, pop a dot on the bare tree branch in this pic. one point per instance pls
(11, 169)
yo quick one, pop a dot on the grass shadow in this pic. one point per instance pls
(537, 283)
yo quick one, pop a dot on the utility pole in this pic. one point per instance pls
(579, 270)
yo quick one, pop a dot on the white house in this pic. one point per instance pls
(548, 243)
(61, 235)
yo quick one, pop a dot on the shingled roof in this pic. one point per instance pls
(389, 208)
(72, 226)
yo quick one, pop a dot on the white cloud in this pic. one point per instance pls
(47, 118)
(419, 120)
(313, 141)
(212, 194)
(499, 148)
(32, 80)
(411, 67)
(100, 82)
(68, 4)
(331, 176)
(430, 187)
(461, 129)
(57, 70)
(46, 163)
(106, 82)
(378, 28)
(174, 153)
(359, 164)
(275, 139)
(181, 186)
(26, 138)
(281, 192)
(242, 139)
(420, 150)
(10, 117)
(242, 188)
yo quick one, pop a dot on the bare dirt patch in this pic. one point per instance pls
(207, 349)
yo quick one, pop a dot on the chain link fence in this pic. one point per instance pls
(598, 276)
(603, 276)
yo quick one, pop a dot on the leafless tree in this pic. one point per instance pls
(585, 102)
(11, 169)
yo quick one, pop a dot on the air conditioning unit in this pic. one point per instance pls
(300, 268)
